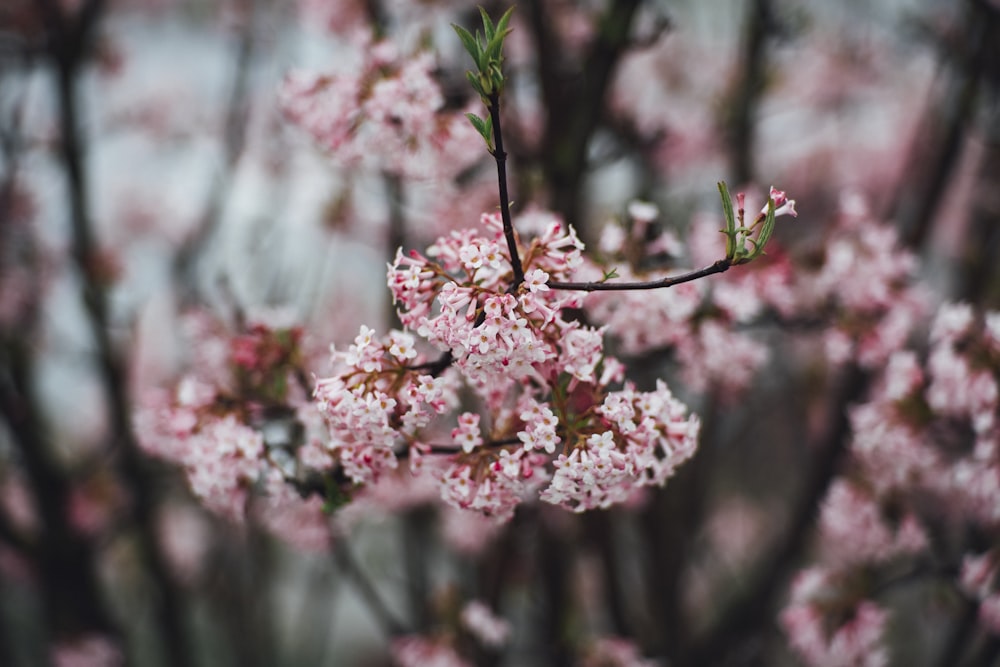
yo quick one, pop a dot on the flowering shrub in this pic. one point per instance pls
(497, 306)
(598, 423)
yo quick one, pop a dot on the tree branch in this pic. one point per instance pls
(750, 610)
(508, 226)
(67, 50)
(720, 266)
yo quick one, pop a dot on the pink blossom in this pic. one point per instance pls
(893, 454)
(388, 114)
(960, 390)
(953, 320)
(614, 652)
(223, 459)
(416, 651)
(989, 613)
(903, 376)
(300, 522)
(87, 651)
(489, 629)
(854, 531)
(643, 212)
(715, 355)
(782, 204)
(468, 533)
(654, 435)
(854, 642)
(467, 434)
(493, 490)
(979, 574)
(185, 537)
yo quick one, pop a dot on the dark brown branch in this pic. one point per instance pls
(436, 367)
(415, 537)
(938, 145)
(67, 42)
(508, 226)
(751, 609)
(574, 96)
(747, 91)
(720, 266)
(65, 561)
(600, 527)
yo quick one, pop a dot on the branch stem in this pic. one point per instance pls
(720, 266)
(508, 226)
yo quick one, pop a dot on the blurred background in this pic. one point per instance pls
(167, 181)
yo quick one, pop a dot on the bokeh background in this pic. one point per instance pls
(160, 188)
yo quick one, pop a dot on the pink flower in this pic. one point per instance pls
(614, 652)
(782, 204)
(855, 533)
(856, 641)
(467, 434)
(479, 620)
(87, 651)
(416, 651)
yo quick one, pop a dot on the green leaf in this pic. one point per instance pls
(477, 123)
(504, 21)
(727, 210)
(483, 86)
(496, 76)
(766, 230)
(335, 497)
(476, 85)
(494, 47)
(471, 45)
(487, 25)
(484, 127)
(492, 51)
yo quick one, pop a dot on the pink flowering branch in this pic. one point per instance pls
(488, 81)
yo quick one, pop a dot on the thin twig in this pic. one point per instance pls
(436, 367)
(720, 266)
(508, 226)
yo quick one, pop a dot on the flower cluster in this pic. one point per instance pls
(387, 114)
(233, 429)
(221, 456)
(928, 430)
(549, 419)
(867, 282)
(650, 435)
(818, 595)
(980, 580)
(376, 403)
